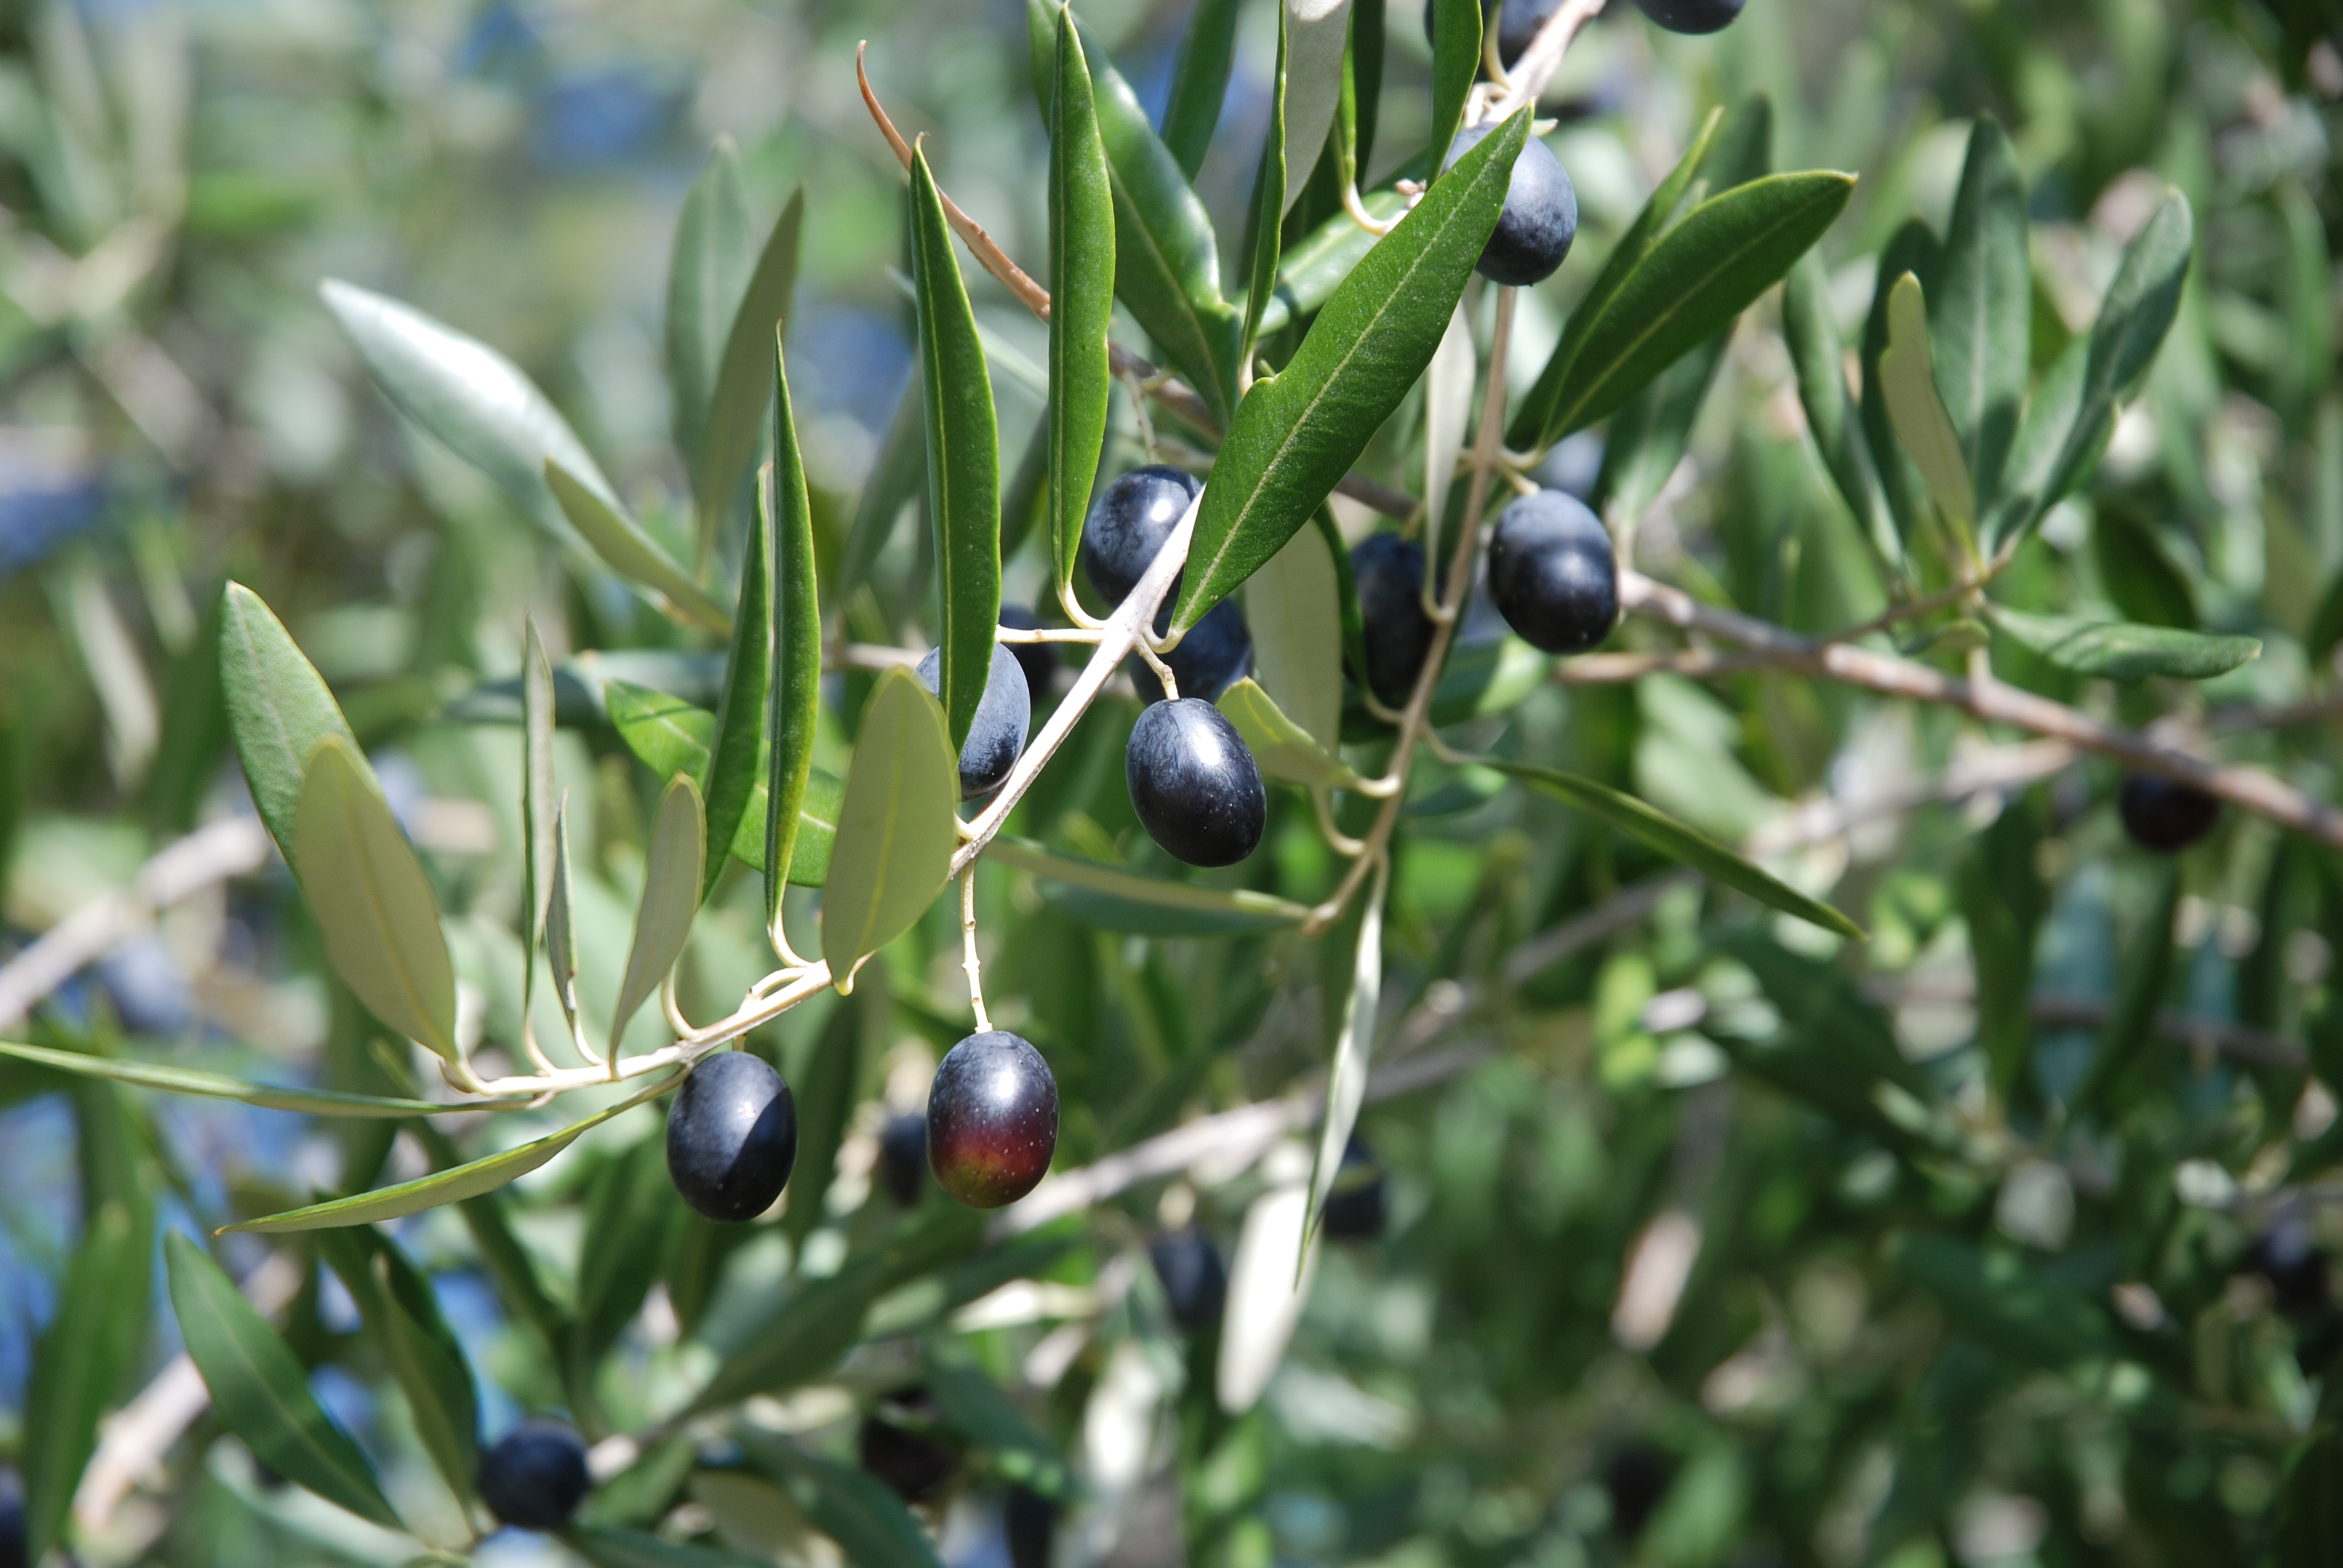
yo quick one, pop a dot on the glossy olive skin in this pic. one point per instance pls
(2163, 815)
(996, 738)
(1216, 655)
(1355, 1209)
(1551, 573)
(1540, 220)
(903, 1158)
(1692, 15)
(993, 1119)
(535, 1477)
(1195, 784)
(913, 1465)
(1389, 572)
(1195, 1281)
(1128, 524)
(1029, 1522)
(2288, 1256)
(731, 1137)
(1038, 660)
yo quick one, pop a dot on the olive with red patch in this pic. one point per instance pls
(996, 737)
(1540, 217)
(535, 1477)
(993, 1119)
(903, 1157)
(1552, 574)
(731, 1137)
(2164, 814)
(1195, 784)
(894, 1446)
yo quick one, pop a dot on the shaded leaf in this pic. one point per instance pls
(1831, 417)
(1912, 249)
(1981, 308)
(896, 830)
(736, 416)
(1266, 213)
(2140, 985)
(1282, 748)
(1455, 61)
(1293, 608)
(974, 1407)
(851, 1506)
(631, 1210)
(1313, 35)
(672, 873)
(77, 1364)
(278, 710)
(1921, 426)
(1447, 411)
(539, 802)
(402, 1320)
(623, 546)
(1355, 1049)
(371, 900)
(2136, 573)
(260, 1390)
(707, 266)
(1997, 1299)
(963, 460)
(561, 923)
(1124, 900)
(822, 1078)
(2120, 650)
(1310, 271)
(1200, 84)
(1300, 431)
(166, 1078)
(608, 1548)
(1083, 274)
(2310, 1520)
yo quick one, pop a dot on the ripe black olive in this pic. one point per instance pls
(732, 1136)
(993, 1119)
(1195, 784)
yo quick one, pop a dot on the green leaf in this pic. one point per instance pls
(1313, 35)
(539, 802)
(737, 761)
(1997, 1299)
(673, 870)
(1447, 413)
(626, 549)
(1200, 85)
(2137, 312)
(1821, 1004)
(851, 1506)
(824, 1076)
(1455, 61)
(1167, 262)
(2309, 1521)
(471, 398)
(1912, 249)
(2000, 893)
(1981, 308)
(896, 475)
(607, 1548)
(794, 849)
(1660, 831)
(1267, 213)
(278, 710)
(166, 1078)
(1293, 607)
(260, 1391)
(79, 1363)
(1925, 430)
(561, 923)
(1300, 431)
(963, 460)
(2120, 650)
(972, 1406)
(1081, 281)
(631, 1212)
(1820, 359)
(896, 830)
(2136, 573)
(371, 900)
(1696, 276)
(1122, 900)
(453, 1185)
(1354, 1052)
(402, 1320)
(1312, 270)
(2140, 984)
(707, 267)
(744, 389)
(669, 735)
(1283, 749)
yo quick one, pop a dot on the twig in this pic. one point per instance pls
(1538, 62)
(2232, 1039)
(968, 939)
(232, 847)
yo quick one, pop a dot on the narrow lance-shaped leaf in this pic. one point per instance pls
(1283, 749)
(78, 1361)
(1115, 900)
(166, 1078)
(1294, 607)
(2124, 650)
(1310, 51)
(1447, 409)
(562, 922)
(963, 460)
(1300, 431)
(452, 1185)
(794, 686)
(537, 804)
(897, 831)
(1912, 249)
(606, 1547)
(669, 737)
(736, 417)
(707, 266)
(1456, 61)
(260, 1391)
(736, 758)
(672, 872)
(1694, 279)
(372, 902)
(1673, 839)
(1354, 1051)
(278, 710)
(1921, 423)
(1268, 193)
(1980, 308)
(896, 475)
(1200, 84)
(1081, 297)
(623, 546)
(2139, 990)
(401, 1318)
(1820, 361)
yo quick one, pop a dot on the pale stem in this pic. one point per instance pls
(529, 1048)
(1539, 62)
(968, 947)
(683, 1052)
(1046, 634)
(1322, 799)
(672, 1007)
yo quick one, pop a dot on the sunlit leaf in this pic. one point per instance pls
(895, 832)
(1283, 748)
(1447, 410)
(795, 845)
(1980, 308)
(278, 710)
(167, 1079)
(1921, 426)
(744, 392)
(672, 870)
(1293, 608)
(2121, 650)
(736, 760)
(670, 736)
(561, 923)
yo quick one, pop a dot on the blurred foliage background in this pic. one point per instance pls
(1626, 1304)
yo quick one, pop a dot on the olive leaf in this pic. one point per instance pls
(401, 1316)
(1283, 749)
(1081, 281)
(167, 1079)
(561, 923)
(736, 760)
(851, 1506)
(672, 872)
(623, 546)
(1455, 61)
(2123, 651)
(1447, 411)
(1119, 900)
(77, 1364)
(1269, 194)
(278, 710)
(669, 735)
(456, 1184)
(1200, 85)
(1311, 38)
(707, 265)
(538, 801)
(1311, 270)
(736, 414)
(794, 850)
(1299, 432)
(371, 900)
(1925, 430)
(1981, 308)
(1293, 608)
(1820, 360)
(963, 460)
(1355, 1050)
(897, 829)
(261, 1390)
